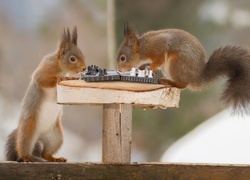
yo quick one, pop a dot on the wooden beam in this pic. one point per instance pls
(12, 170)
(138, 94)
(117, 133)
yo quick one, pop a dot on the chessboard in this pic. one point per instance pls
(96, 74)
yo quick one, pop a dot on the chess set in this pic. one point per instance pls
(96, 74)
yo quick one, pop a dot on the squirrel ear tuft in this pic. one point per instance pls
(125, 29)
(66, 35)
(74, 36)
(65, 41)
(128, 30)
(130, 34)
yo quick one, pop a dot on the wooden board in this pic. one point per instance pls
(138, 94)
(158, 171)
(134, 87)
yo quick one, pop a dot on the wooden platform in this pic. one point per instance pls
(117, 99)
(99, 93)
(133, 171)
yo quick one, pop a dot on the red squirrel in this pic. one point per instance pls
(181, 58)
(39, 133)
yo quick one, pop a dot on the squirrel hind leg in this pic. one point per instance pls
(38, 149)
(36, 155)
(51, 158)
(52, 143)
(24, 159)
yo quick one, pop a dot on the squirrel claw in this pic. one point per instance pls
(50, 158)
(24, 160)
(61, 159)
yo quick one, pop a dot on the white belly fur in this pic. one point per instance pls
(49, 110)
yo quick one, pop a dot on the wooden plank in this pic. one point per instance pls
(146, 96)
(117, 133)
(12, 170)
(135, 87)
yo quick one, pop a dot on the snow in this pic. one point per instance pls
(221, 139)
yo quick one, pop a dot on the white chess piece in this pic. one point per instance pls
(141, 73)
(150, 75)
(146, 72)
(133, 72)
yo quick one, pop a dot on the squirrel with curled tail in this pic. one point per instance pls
(39, 133)
(181, 58)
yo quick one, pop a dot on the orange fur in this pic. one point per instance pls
(25, 134)
(173, 59)
(45, 75)
(158, 61)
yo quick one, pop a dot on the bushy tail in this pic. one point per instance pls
(234, 63)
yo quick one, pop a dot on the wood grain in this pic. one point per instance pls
(117, 133)
(140, 95)
(116, 85)
(152, 171)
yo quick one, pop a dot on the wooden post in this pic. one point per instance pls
(117, 133)
(111, 33)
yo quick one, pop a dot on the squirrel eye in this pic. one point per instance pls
(123, 58)
(72, 58)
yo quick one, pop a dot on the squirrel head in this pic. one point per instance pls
(70, 57)
(128, 54)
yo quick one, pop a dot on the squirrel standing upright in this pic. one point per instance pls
(181, 58)
(39, 133)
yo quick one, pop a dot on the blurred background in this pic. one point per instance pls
(30, 29)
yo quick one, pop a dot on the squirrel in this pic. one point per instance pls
(181, 59)
(39, 134)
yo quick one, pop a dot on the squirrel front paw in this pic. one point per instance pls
(67, 78)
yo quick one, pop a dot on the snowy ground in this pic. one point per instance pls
(221, 139)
